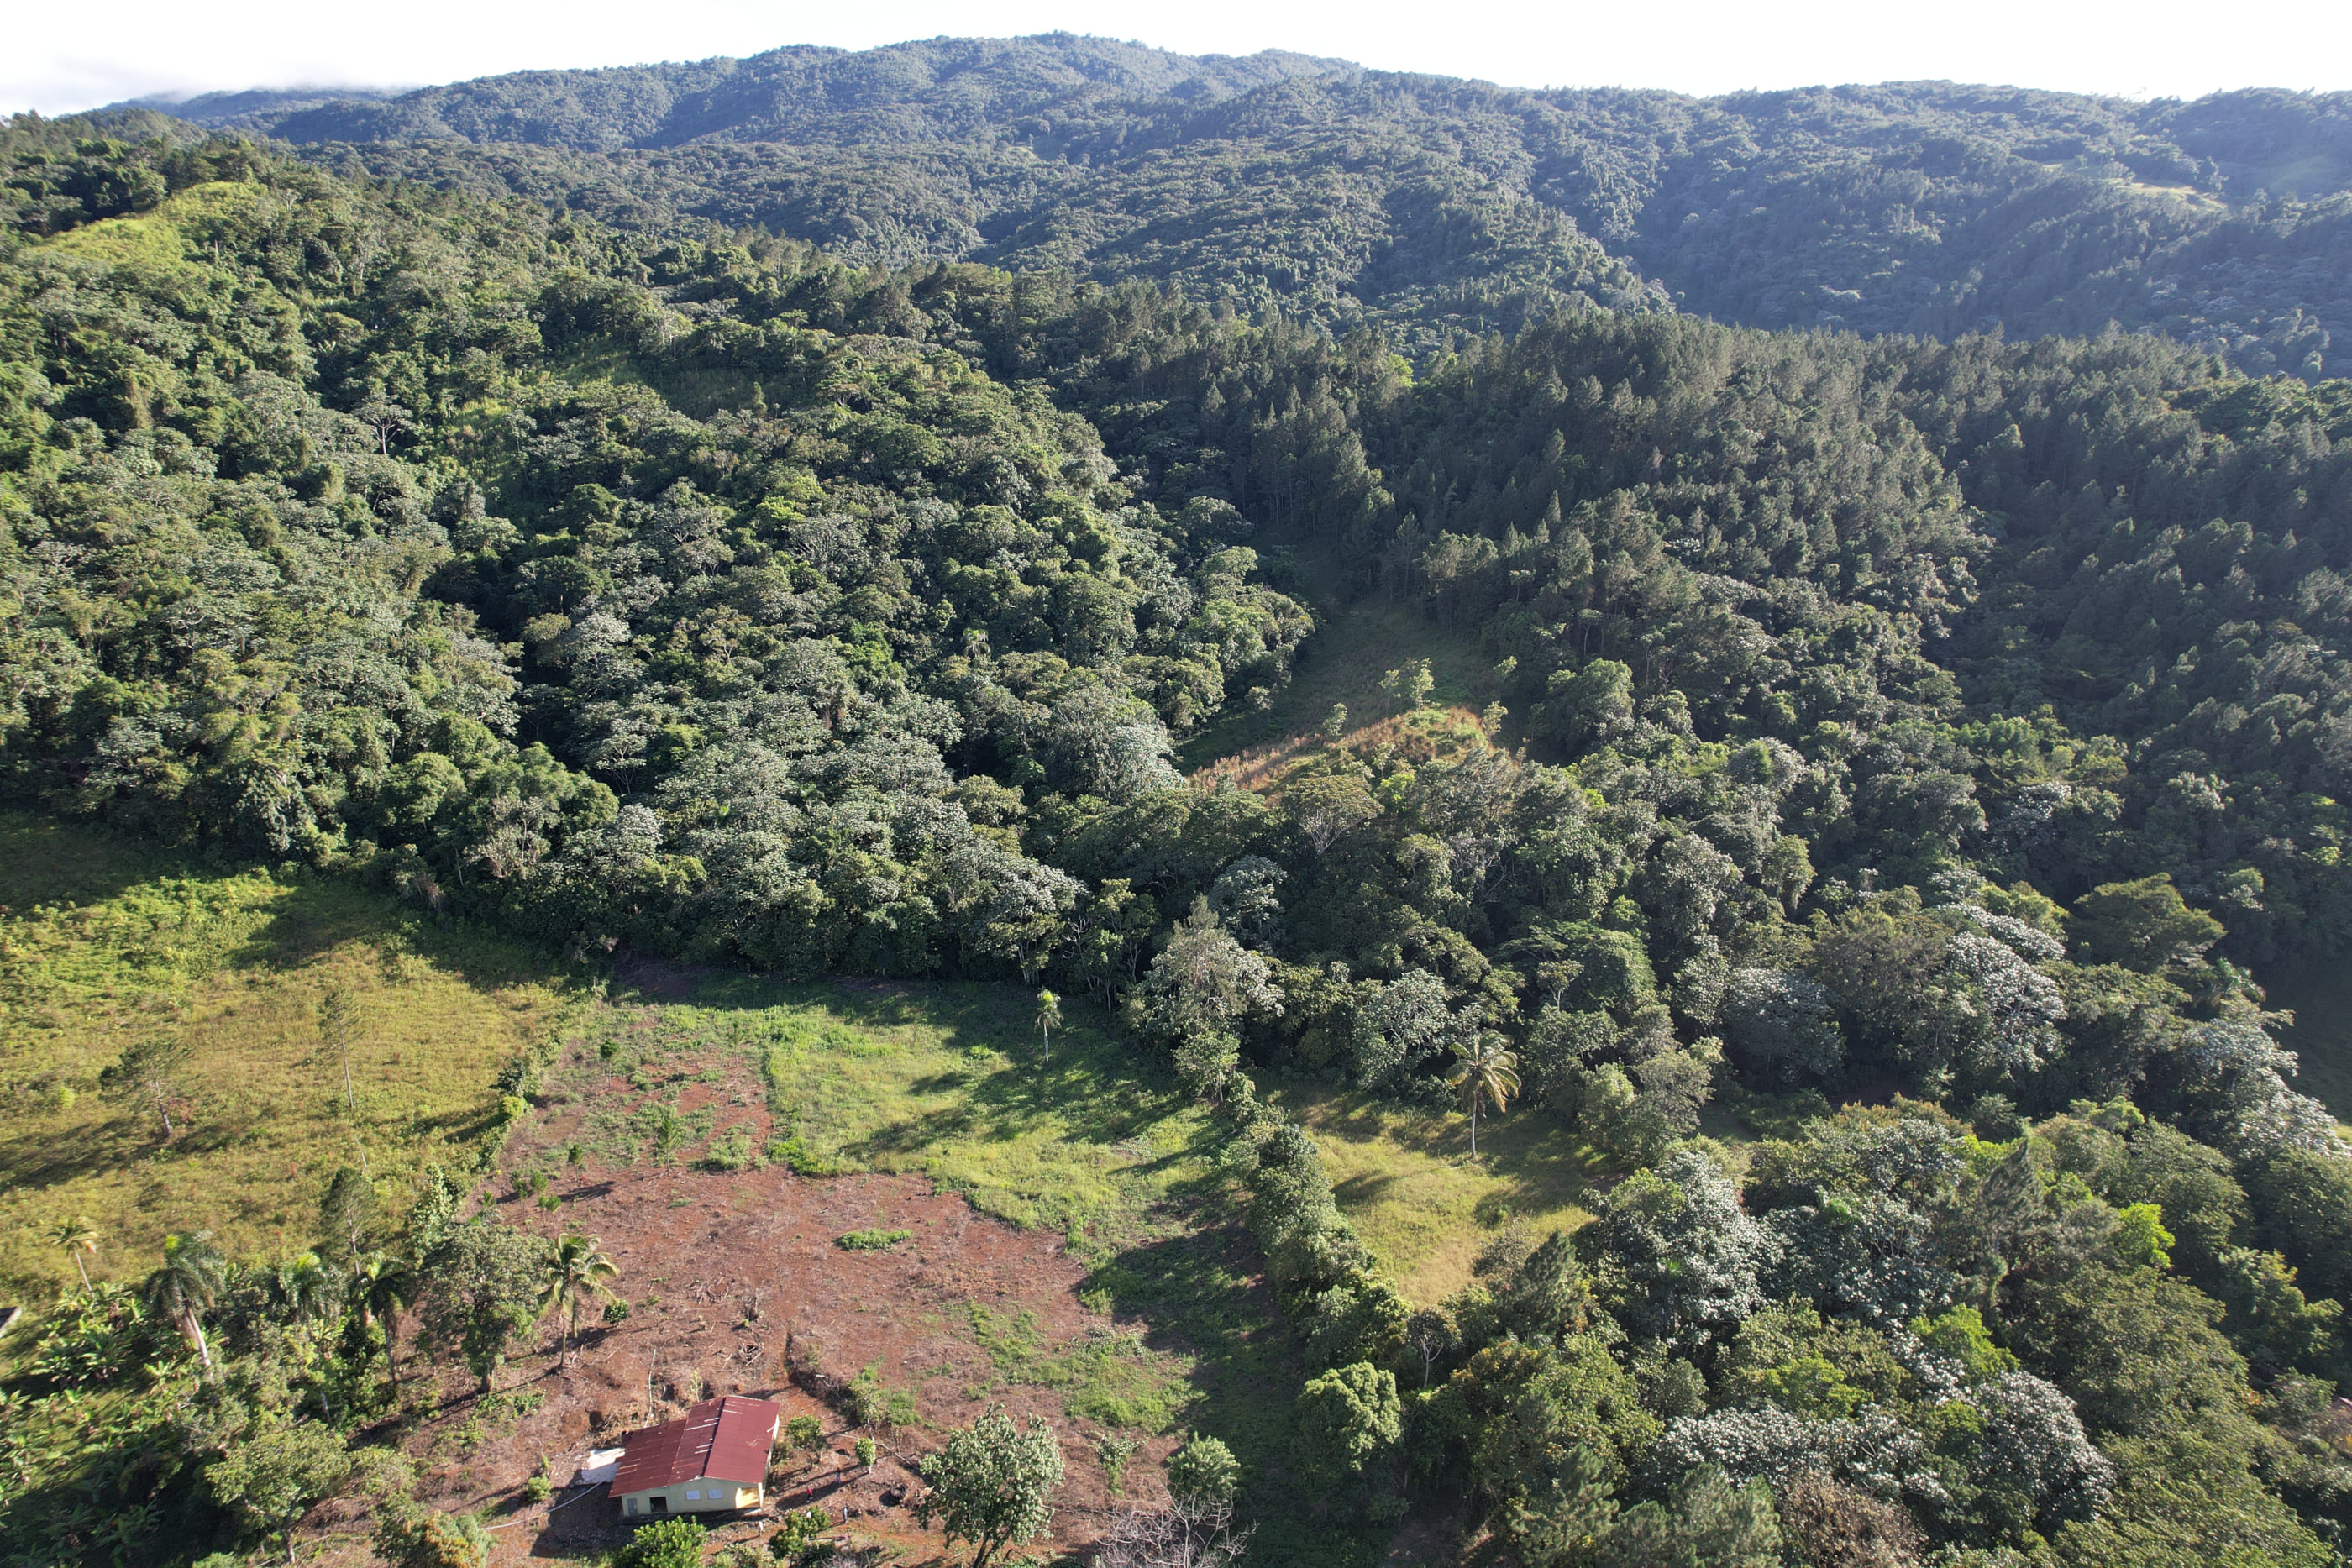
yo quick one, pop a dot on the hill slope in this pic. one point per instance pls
(1450, 207)
(1900, 724)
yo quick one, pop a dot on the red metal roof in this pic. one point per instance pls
(725, 1440)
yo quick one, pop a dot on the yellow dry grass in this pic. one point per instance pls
(1416, 736)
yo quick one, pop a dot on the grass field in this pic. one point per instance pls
(1407, 1182)
(2319, 994)
(104, 943)
(1354, 644)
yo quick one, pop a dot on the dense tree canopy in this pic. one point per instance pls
(1946, 730)
(1441, 207)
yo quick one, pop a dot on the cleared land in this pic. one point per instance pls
(736, 1284)
(1093, 1168)
(2319, 994)
(105, 944)
(1355, 644)
(1407, 1182)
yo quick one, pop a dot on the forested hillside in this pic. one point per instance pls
(1913, 748)
(1443, 207)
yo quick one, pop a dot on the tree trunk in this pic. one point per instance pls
(83, 1272)
(194, 1329)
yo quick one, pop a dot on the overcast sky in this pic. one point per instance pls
(60, 57)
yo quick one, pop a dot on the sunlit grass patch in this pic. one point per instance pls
(104, 944)
(1109, 1376)
(1355, 644)
(947, 1081)
(1407, 1182)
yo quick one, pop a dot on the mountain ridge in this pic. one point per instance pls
(1434, 208)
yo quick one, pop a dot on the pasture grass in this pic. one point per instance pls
(105, 942)
(1405, 1178)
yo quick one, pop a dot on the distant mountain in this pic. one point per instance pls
(1440, 209)
(257, 109)
(939, 89)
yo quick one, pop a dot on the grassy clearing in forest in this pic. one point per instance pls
(2319, 994)
(1355, 644)
(1406, 1180)
(105, 943)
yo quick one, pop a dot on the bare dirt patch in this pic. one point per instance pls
(1085, 1281)
(736, 1282)
(737, 1286)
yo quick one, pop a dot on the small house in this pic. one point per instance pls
(711, 1459)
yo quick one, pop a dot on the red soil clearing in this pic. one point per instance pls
(744, 1273)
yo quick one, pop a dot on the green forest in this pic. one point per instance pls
(1887, 558)
(1436, 209)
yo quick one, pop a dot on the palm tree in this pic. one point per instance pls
(1049, 1018)
(193, 1276)
(577, 1267)
(77, 1237)
(1484, 1073)
(309, 1287)
(384, 1287)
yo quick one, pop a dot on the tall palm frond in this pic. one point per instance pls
(192, 1278)
(577, 1267)
(1484, 1073)
(77, 1237)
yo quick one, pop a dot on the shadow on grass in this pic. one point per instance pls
(44, 861)
(1365, 1187)
(30, 1157)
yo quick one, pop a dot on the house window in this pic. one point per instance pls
(694, 1497)
(659, 1504)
